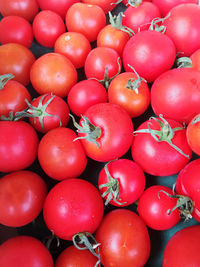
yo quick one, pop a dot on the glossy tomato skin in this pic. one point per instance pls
(159, 158)
(154, 205)
(86, 19)
(185, 38)
(24, 251)
(73, 206)
(106, 5)
(124, 239)
(84, 94)
(116, 132)
(142, 50)
(60, 156)
(130, 177)
(135, 103)
(47, 27)
(176, 94)
(188, 184)
(22, 197)
(23, 8)
(46, 73)
(73, 257)
(183, 248)
(16, 59)
(18, 145)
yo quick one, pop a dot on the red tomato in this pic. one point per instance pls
(84, 94)
(22, 195)
(47, 27)
(86, 19)
(75, 46)
(18, 145)
(53, 73)
(15, 29)
(142, 50)
(106, 5)
(154, 208)
(183, 248)
(193, 134)
(59, 156)
(124, 239)
(176, 94)
(186, 39)
(12, 95)
(24, 251)
(110, 132)
(17, 60)
(73, 206)
(23, 8)
(195, 58)
(161, 147)
(130, 92)
(126, 182)
(72, 257)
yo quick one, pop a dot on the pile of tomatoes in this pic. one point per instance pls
(99, 133)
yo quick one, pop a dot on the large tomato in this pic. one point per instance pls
(124, 239)
(193, 134)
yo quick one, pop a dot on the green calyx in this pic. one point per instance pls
(134, 3)
(166, 133)
(155, 24)
(116, 22)
(92, 133)
(184, 62)
(4, 79)
(112, 192)
(134, 84)
(196, 119)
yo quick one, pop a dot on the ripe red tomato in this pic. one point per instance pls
(154, 208)
(106, 5)
(22, 196)
(159, 149)
(195, 58)
(91, 19)
(23, 8)
(73, 206)
(193, 134)
(142, 50)
(183, 248)
(59, 156)
(24, 251)
(75, 46)
(124, 239)
(84, 94)
(121, 182)
(53, 73)
(47, 27)
(176, 94)
(111, 131)
(15, 29)
(17, 60)
(18, 145)
(12, 95)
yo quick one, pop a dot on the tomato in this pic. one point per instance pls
(160, 147)
(72, 257)
(110, 131)
(60, 156)
(24, 251)
(21, 198)
(106, 5)
(142, 50)
(186, 39)
(86, 19)
(12, 95)
(124, 239)
(193, 134)
(53, 73)
(75, 46)
(195, 58)
(47, 27)
(84, 94)
(130, 92)
(15, 29)
(176, 94)
(73, 206)
(154, 207)
(183, 248)
(23, 8)
(17, 60)
(121, 182)
(18, 145)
